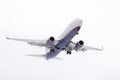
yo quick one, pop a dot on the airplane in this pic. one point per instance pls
(63, 43)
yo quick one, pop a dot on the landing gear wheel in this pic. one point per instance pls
(52, 50)
(68, 52)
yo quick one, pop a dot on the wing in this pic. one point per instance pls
(81, 47)
(85, 48)
(30, 41)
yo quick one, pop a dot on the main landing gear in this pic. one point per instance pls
(69, 52)
(52, 50)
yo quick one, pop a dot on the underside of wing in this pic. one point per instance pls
(85, 48)
(30, 41)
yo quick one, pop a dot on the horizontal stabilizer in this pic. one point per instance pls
(43, 56)
(36, 55)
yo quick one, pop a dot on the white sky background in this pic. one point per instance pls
(40, 19)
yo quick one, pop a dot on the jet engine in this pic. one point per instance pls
(79, 44)
(50, 41)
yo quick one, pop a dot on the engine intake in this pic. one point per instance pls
(81, 42)
(52, 39)
(50, 42)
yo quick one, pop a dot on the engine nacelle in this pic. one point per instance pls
(79, 44)
(50, 41)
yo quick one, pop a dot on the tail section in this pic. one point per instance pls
(42, 56)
